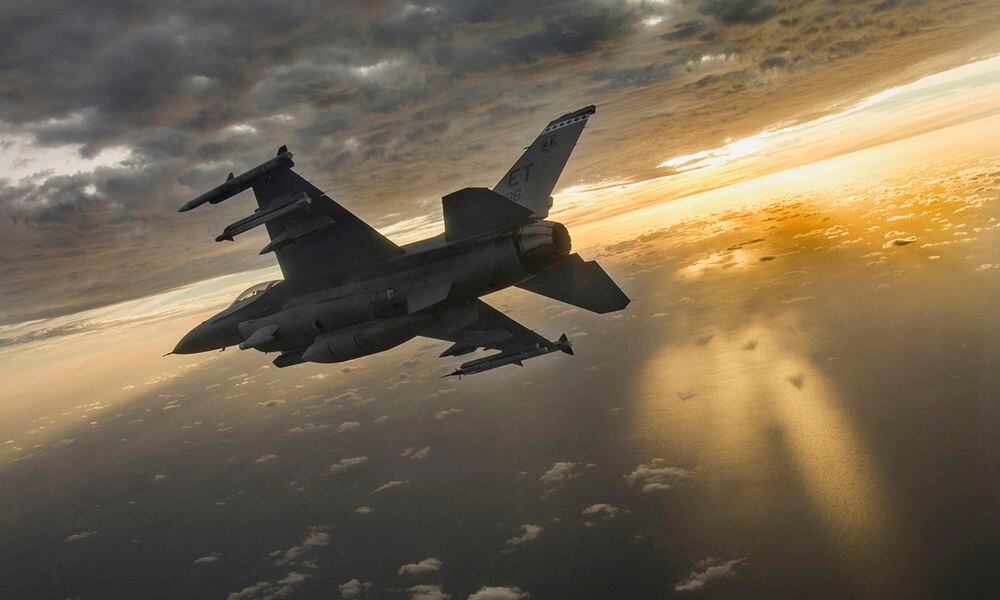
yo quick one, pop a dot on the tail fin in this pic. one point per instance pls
(583, 284)
(533, 177)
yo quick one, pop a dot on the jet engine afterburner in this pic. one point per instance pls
(540, 244)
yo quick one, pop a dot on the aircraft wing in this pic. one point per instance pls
(479, 325)
(318, 237)
(311, 235)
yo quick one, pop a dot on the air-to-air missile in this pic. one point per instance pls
(234, 185)
(499, 360)
(291, 203)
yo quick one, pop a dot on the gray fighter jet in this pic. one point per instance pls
(348, 291)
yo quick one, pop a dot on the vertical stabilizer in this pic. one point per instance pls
(533, 177)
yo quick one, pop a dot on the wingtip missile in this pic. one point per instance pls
(235, 184)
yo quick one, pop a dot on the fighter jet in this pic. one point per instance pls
(348, 291)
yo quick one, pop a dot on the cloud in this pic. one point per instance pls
(354, 589)
(417, 455)
(349, 426)
(427, 565)
(79, 536)
(347, 463)
(427, 592)
(410, 362)
(389, 485)
(529, 533)
(559, 473)
(270, 590)
(601, 510)
(316, 537)
(500, 593)
(684, 30)
(442, 414)
(738, 11)
(656, 475)
(797, 299)
(707, 572)
(156, 105)
(348, 397)
(899, 241)
(210, 558)
(308, 428)
(269, 403)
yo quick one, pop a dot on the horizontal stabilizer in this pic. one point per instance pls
(472, 212)
(580, 283)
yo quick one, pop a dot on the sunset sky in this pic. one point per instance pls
(799, 197)
(390, 106)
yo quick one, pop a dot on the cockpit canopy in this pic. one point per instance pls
(255, 290)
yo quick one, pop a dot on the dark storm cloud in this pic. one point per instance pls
(388, 106)
(684, 31)
(739, 11)
(546, 30)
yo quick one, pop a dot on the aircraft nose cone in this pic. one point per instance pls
(188, 344)
(196, 340)
(210, 335)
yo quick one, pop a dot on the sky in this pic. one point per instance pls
(799, 402)
(390, 106)
(800, 199)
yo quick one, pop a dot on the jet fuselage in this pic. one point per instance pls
(333, 321)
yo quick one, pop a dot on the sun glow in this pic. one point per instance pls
(930, 102)
(731, 410)
(719, 156)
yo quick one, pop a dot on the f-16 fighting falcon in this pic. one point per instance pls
(348, 291)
